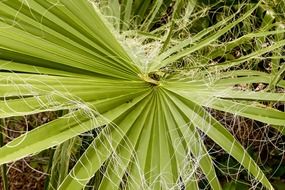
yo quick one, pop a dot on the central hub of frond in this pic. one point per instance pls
(152, 78)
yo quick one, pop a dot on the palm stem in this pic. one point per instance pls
(4, 166)
(51, 153)
(50, 180)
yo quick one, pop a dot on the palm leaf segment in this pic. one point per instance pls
(62, 55)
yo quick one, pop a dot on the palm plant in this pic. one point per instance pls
(111, 68)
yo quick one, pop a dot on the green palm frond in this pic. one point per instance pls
(70, 55)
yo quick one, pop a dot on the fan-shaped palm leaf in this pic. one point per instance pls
(64, 54)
